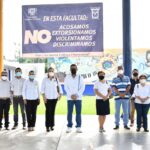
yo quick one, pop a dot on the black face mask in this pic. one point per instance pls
(135, 74)
(101, 77)
(73, 71)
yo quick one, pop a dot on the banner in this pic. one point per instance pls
(64, 30)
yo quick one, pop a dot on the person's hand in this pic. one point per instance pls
(105, 98)
(74, 97)
(25, 101)
(59, 96)
(45, 100)
(122, 95)
(144, 99)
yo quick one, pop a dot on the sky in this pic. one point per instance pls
(12, 19)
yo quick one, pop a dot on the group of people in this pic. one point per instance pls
(133, 94)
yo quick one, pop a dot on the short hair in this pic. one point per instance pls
(143, 75)
(120, 67)
(101, 72)
(73, 65)
(135, 70)
(31, 71)
(4, 72)
(18, 68)
(50, 68)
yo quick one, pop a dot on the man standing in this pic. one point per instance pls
(5, 101)
(74, 87)
(16, 88)
(134, 80)
(31, 97)
(121, 86)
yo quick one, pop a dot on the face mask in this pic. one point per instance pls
(31, 77)
(135, 74)
(101, 77)
(18, 74)
(143, 81)
(120, 72)
(4, 78)
(73, 71)
(51, 74)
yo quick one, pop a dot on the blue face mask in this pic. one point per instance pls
(31, 77)
(18, 74)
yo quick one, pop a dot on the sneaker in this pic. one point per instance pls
(145, 130)
(14, 127)
(104, 130)
(68, 130)
(47, 129)
(126, 127)
(138, 129)
(79, 130)
(132, 124)
(116, 127)
(101, 130)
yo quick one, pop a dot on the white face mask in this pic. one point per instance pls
(4, 78)
(143, 81)
(120, 72)
(51, 74)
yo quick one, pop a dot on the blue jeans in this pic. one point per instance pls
(142, 111)
(78, 106)
(125, 107)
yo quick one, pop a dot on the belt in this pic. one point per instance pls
(4, 98)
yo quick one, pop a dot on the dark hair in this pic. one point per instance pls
(73, 65)
(18, 69)
(50, 68)
(135, 70)
(142, 75)
(31, 71)
(120, 67)
(101, 72)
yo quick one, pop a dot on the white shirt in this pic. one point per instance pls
(143, 92)
(17, 85)
(5, 89)
(102, 88)
(30, 90)
(49, 88)
(74, 86)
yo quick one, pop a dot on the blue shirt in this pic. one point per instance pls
(121, 83)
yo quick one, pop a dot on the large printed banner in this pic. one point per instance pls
(62, 30)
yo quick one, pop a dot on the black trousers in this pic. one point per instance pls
(31, 108)
(19, 101)
(4, 111)
(50, 112)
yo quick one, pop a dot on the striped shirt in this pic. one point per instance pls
(121, 83)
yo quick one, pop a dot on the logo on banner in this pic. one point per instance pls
(95, 12)
(32, 12)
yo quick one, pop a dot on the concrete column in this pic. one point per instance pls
(127, 52)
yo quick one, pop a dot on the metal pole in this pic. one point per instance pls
(1, 35)
(127, 52)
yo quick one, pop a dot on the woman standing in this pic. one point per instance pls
(51, 91)
(103, 91)
(142, 102)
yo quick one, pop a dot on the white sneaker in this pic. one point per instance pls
(68, 130)
(79, 130)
